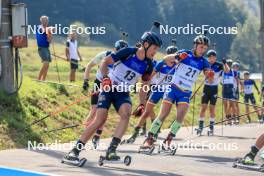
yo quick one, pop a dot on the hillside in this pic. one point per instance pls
(36, 100)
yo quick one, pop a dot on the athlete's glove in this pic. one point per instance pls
(181, 56)
(139, 110)
(106, 81)
(224, 61)
(210, 73)
(85, 84)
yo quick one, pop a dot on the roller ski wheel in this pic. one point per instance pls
(126, 160)
(210, 132)
(239, 163)
(73, 161)
(169, 151)
(198, 131)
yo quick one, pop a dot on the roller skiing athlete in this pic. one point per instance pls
(236, 111)
(210, 92)
(191, 64)
(162, 76)
(97, 82)
(247, 89)
(140, 108)
(228, 91)
(129, 65)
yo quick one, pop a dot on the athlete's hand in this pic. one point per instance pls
(181, 56)
(85, 84)
(210, 73)
(139, 110)
(106, 81)
(224, 61)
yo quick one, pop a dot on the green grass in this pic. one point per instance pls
(36, 100)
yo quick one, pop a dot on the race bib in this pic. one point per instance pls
(185, 76)
(123, 74)
(248, 89)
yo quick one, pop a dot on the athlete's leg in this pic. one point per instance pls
(212, 116)
(202, 115)
(100, 118)
(182, 110)
(146, 113)
(164, 112)
(249, 158)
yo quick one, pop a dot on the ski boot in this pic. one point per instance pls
(95, 141)
(199, 131)
(148, 146)
(130, 140)
(166, 147)
(72, 158)
(210, 132)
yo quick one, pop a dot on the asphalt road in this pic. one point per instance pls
(197, 156)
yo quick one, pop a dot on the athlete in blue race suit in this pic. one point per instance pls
(162, 76)
(191, 64)
(129, 65)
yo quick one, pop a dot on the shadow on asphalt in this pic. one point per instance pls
(208, 159)
(93, 168)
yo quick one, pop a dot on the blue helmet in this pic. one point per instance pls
(211, 53)
(120, 44)
(152, 38)
(171, 49)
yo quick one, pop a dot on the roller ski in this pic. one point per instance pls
(72, 158)
(199, 131)
(210, 132)
(248, 163)
(166, 148)
(112, 158)
(148, 146)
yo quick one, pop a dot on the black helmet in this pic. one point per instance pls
(171, 49)
(211, 53)
(201, 39)
(120, 44)
(152, 38)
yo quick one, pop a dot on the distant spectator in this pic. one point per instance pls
(72, 54)
(44, 37)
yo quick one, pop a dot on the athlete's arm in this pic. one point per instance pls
(104, 65)
(67, 52)
(255, 85)
(170, 58)
(143, 94)
(226, 67)
(79, 55)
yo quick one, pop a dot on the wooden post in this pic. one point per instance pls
(7, 76)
